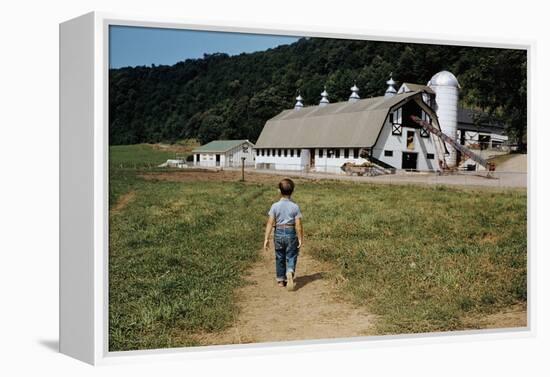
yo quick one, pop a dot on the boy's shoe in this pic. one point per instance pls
(290, 285)
(281, 284)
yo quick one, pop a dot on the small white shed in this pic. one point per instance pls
(224, 153)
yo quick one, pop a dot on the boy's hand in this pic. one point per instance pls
(300, 242)
(266, 245)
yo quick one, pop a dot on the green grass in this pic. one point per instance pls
(136, 156)
(125, 161)
(176, 255)
(422, 259)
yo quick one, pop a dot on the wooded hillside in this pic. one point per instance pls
(231, 97)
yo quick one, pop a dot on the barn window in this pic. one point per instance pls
(424, 132)
(337, 153)
(429, 156)
(355, 152)
(268, 152)
(292, 153)
(286, 152)
(257, 152)
(409, 110)
(278, 153)
(410, 140)
(388, 153)
(426, 117)
(396, 117)
(346, 153)
(484, 141)
(396, 129)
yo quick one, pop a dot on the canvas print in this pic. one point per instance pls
(267, 188)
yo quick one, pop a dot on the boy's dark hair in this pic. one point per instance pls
(286, 186)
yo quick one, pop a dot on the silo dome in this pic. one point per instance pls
(444, 78)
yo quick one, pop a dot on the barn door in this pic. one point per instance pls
(408, 161)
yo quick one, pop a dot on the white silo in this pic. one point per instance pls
(446, 86)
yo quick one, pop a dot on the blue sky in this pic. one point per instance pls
(133, 46)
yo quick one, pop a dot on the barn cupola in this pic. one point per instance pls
(354, 96)
(324, 98)
(299, 104)
(390, 92)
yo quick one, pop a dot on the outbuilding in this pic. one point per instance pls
(224, 153)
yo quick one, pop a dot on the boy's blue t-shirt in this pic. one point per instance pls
(285, 211)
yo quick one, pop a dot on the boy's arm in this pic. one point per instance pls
(300, 231)
(268, 228)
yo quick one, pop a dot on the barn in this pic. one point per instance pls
(224, 153)
(322, 138)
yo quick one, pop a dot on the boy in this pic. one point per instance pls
(288, 238)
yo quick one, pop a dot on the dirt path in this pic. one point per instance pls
(123, 202)
(511, 317)
(269, 313)
(516, 163)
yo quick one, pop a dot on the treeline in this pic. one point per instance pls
(231, 97)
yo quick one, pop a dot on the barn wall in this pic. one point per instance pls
(233, 156)
(398, 144)
(332, 164)
(472, 137)
(207, 159)
(282, 163)
(321, 164)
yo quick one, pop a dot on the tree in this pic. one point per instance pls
(498, 85)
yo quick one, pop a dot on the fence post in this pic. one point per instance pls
(242, 168)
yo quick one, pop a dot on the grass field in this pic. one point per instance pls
(420, 258)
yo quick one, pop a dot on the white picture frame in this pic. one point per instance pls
(84, 46)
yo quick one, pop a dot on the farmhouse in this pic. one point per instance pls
(224, 153)
(322, 138)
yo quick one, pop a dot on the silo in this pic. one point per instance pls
(446, 86)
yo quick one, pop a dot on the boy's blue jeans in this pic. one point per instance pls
(286, 251)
